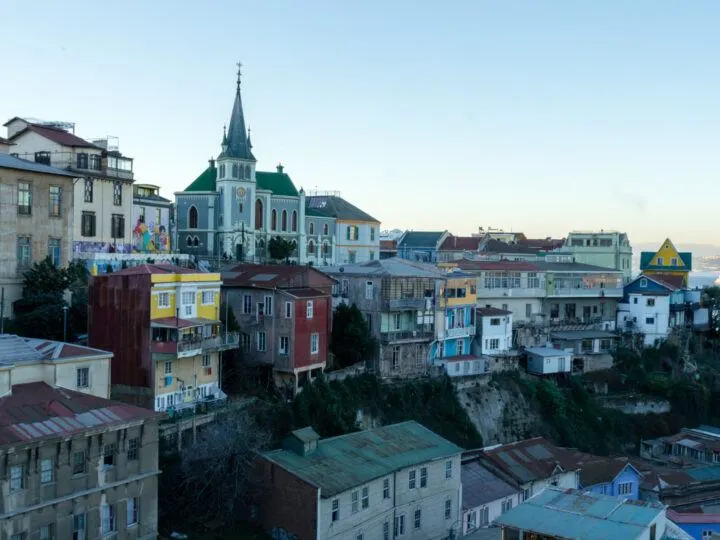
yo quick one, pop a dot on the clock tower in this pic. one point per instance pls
(239, 214)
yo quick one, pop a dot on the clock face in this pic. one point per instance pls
(240, 192)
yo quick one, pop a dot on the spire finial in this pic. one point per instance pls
(239, 73)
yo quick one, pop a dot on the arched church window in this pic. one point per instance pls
(325, 248)
(221, 173)
(258, 214)
(273, 220)
(325, 229)
(311, 247)
(284, 220)
(188, 240)
(311, 228)
(294, 221)
(196, 241)
(247, 171)
(235, 170)
(192, 218)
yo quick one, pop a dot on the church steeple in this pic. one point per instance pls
(236, 143)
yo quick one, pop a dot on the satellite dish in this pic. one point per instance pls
(342, 269)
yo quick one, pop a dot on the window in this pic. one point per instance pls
(368, 290)
(311, 247)
(325, 229)
(95, 162)
(335, 509)
(386, 488)
(284, 345)
(268, 306)
(399, 525)
(352, 232)
(17, 478)
(82, 161)
(314, 343)
(117, 193)
(206, 360)
(395, 358)
(117, 226)
(132, 450)
(365, 497)
(258, 214)
(108, 523)
(192, 218)
(82, 376)
(24, 252)
(235, 170)
(411, 479)
(528, 310)
(79, 462)
(245, 339)
(273, 220)
(460, 347)
(88, 224)
(423, 477)
(673, 262)
(359, 537)
(132, 512)
(42, 157)
(24, 198)
(109, 456)
(164, 300)
(706, 535)
(288, 310)
(650, 302)
(294, 221)
(311, 228)
(19, 536)
(352, 255)
(418, 517)
(386, 530)
(309, 309)
(448, 469)
(208, 297)
(372, 255)
(247, 304)
(625, 488)
(221, 171)
(448, 508)
(46, 471)
(55, 202)
(653, 531)
(493, 344)
(88, 190)
(507, 505)
(649, 320)
(47, 532)
(495, 322)
(283, 220)
(54, 251)
(168, 368)
(261, 345)
(78, 527)
(354, 497)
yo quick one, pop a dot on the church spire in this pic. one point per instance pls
(236, 142)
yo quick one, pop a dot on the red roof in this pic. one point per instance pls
(488, 311)
(460, 243)
(695, 517)
(388, 245)
(59, 136)
(148, 269)
(37, 411)
(672, 281)
(510, 266)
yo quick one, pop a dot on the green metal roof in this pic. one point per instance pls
(420, 239)
(277, 182)
(646, 258)
(337, 207)
(341, 463)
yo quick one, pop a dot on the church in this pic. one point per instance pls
(232, 210)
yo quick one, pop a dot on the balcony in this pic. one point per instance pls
(183, 348)
(519, 292)
(407, 335)
(221, 342)
(399, 304)
(458, 332)
(580, 292)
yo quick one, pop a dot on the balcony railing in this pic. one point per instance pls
(191, 347)
(596, 292)
(464, 331)
(520, 292)
(409, 303)
(407, 335)
(231, 340)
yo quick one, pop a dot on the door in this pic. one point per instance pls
(239, 252)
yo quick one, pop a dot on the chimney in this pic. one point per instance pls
(280, 168)
(302, 441)
(211, 161)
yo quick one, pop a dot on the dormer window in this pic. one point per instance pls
(659, 261)
(643, 283)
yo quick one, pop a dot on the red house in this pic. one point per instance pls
(284, 314)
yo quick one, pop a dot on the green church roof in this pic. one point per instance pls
(277, 182)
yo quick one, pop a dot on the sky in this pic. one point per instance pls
(534, 116)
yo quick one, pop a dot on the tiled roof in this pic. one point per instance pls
(498, 246)
(460, 243)
(392, 267)
(490, 311)
(570, 513)
(269, 276)
(673, 281)
(336, 207)
(5, 141)
(596, 470)
(11, 162)
(583, 334)
(341, 463)
(59, 136)
(37, 411)
(692, 518)
(388, 245)
(480, 486)
(420, 239)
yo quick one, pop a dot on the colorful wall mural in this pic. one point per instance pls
(151, 230)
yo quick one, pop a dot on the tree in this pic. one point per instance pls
(45, 278)
(711, 298)
(352, 341)
(39, 313)
(78, 277)
(281, 249)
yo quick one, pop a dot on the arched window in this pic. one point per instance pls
(284, 220)
(196, 241)
(221, 173)
(294, 221)
(311, 228)
(192, 218)
(273, 220)
(247, 171)
(311, 247)
(258, 215)
(235, 170)
(260, 247)
(325, 229)
(189, 241)
(326, 248)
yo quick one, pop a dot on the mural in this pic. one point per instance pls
(150, 237)
(101, 247)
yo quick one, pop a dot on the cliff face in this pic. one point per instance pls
(500, 412)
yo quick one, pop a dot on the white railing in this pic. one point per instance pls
(464, 331)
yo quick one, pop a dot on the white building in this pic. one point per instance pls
(103, 197)
(494, 330)
(548, 361)
(485, 496)
(396, 481)
(646, 308)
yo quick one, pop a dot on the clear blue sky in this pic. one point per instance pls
(538, 115)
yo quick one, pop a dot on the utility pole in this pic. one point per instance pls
(2, 310)
(65, 311)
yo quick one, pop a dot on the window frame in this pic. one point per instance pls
(133, 449)
(132, 512)
(108, 519)
(16, 478)
(79, 466)
(47, 471)
(24, 198)
(55, 201)
(309, 309)
(315, 343)
(117, 193)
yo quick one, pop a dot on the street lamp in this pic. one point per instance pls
(65, 312)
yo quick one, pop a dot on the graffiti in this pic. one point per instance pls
(150, 237)
(101, 247)
(278, 533)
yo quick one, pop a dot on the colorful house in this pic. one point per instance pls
(667, 264)
(162, 324)
(611, 476)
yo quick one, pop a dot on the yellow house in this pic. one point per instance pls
(167, 351)
(667, 264)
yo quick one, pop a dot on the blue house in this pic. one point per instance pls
(697, 524)
(420, 246)
(611, 476)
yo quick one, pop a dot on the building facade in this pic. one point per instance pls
(485, 496)
(494, 331)
(667, 264)
(285, 315)
(151, 220)
(390, 482)
(162, 324)
(421, 246)
(607, 249)
(646, 308)
(36, 219)
(102, 198)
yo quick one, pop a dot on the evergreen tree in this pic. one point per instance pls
(352, 340)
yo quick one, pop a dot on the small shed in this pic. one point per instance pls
(548, 361)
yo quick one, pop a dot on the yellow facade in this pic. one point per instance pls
(667, 261)
(185, 372)
(467, 283)
(174, 284)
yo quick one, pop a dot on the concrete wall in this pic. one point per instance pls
(494, 510)
(562, 363)
(362, 247)
(650, 320)
(64, 374)
(501, 331)
(103, 207)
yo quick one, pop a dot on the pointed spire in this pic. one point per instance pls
(236, 141)
(249, 143)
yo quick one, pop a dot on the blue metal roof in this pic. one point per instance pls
(11, 162)
(582, 515)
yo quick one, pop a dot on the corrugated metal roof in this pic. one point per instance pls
(480, 486)
(340, 463)
(393, 267)
(582, 515)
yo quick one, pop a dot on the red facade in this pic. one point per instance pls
(304, 327)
